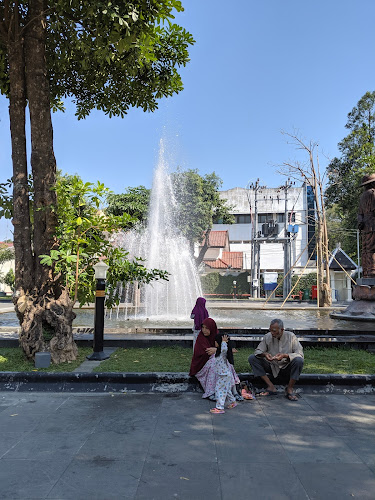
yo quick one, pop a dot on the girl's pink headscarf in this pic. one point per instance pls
(200, 312)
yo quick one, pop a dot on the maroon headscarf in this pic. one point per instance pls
(200, 357)
(200, 312)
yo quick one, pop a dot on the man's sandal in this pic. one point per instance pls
(291, 396)
(216, 411)
(266, 393)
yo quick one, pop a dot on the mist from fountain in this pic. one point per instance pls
(162, 247)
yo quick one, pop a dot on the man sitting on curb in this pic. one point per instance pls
(278, 351)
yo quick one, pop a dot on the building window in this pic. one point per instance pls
(281, 217)
(262, 218)
(243, 219)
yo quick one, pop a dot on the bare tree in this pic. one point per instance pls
(309, 172)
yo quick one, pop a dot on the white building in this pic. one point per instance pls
(275, 216)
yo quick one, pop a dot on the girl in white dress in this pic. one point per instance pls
(224, 382)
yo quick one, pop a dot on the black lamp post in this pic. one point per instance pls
(235, 289)
(100, 276)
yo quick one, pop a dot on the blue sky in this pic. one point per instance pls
(258, 67)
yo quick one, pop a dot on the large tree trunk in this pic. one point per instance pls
(24, 269)
(44, 308)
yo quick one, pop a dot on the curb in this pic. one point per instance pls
(165, 382)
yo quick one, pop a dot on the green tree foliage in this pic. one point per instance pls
(102, 54)
(345, 173)
(215, 283)
(134, 201)
(9, 279)
(6, 254)
(84, 234)
(108, 55)
(199, 203)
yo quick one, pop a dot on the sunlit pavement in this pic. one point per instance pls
(150, 446)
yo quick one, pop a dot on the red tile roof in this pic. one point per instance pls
(234, 259)
(229, 259)
(217, 239)
(216, 264)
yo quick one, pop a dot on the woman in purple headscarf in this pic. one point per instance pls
(198, 314)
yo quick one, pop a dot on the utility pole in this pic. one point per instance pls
(255, 248)
(257, 244)
(287, 284)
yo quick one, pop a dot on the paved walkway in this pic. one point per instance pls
(148, 446)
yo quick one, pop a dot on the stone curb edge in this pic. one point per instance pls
(162, 382)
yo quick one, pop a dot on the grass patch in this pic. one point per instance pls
(177, 359)
(12, 359)
(149, 359)
(340, 360)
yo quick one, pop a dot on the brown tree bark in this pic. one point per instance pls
(43, 307)
(24, 268)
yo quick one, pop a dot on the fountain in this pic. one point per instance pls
(167, 304)
(162, 247)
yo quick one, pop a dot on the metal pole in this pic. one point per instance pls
(358, 261)
(99, 354)
(256, 244)
(287, 279)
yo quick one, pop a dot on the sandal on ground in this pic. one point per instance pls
(239, 397)
(216, 411)
(291, 396)
(266, 393)
(246, 394)
(232, 405)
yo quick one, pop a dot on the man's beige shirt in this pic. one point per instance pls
(288, 344)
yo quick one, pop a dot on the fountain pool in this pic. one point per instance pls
(236, 318)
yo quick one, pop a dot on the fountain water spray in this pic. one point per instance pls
(162, 246)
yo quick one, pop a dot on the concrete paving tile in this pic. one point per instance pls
(364, 403)
(200, 422)
(9, 398)
(309, 426)
(247, 481)
(335, 407)
(240, 424)
(8, 440)
(98, 480)
(22, 479)
(345, 425)
(182, 446)
(250, 449)
(126, 423)
(281, 402)
(47, 446)
(16, 422)
(111, 445)
(68, 422)
(336, 481)
(363, 446)
(185, 481)
(367, 399)
(317, 449)
(35, 405)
